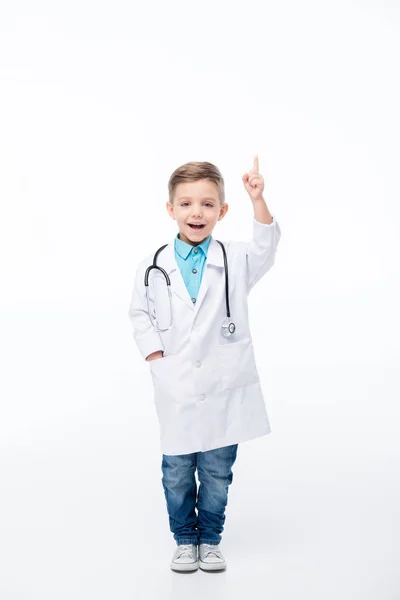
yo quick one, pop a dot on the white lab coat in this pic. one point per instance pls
(207, 390)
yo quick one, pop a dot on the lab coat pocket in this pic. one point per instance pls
(162, 369)
(237, 364)
(167, 377)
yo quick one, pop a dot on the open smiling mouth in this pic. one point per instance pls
(198, 227)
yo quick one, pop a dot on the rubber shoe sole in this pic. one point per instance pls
(221, 566)
(185, 566)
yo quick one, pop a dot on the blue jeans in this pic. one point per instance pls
(180, 490)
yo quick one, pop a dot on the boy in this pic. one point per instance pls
(206, 385)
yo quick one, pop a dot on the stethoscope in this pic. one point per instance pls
(228, 327)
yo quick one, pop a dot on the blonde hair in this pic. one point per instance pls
(193, 171)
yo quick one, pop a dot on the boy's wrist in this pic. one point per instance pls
(261, 211)
(153, 355)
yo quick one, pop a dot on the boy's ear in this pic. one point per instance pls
(223, 211)
(170, 210)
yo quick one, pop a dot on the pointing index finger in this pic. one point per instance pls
(255, 166)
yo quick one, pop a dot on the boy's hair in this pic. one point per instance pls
(193, 171)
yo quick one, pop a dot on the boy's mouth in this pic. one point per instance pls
(196, 227)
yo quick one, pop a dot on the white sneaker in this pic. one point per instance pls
(211, 558)
(185, 558)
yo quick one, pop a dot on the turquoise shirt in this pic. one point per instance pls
(191, 261)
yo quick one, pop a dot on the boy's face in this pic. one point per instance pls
(196, 202)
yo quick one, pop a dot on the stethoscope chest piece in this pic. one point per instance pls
(228, 327)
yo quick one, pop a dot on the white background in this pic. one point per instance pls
(99, 103)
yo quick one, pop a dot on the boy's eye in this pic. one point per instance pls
(207, 203)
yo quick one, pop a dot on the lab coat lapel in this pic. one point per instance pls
(166, 259)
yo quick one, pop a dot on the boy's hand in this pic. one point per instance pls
(155, 355)
(254, 182)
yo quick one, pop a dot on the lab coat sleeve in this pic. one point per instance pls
(145, 334)
(261, 250)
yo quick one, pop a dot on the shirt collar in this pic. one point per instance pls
(184, 249)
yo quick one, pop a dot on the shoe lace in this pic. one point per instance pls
(212, 549)
(185, 549)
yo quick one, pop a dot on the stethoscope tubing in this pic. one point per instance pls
(155, 266)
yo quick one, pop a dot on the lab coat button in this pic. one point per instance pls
(198, 363)
(202, 397)
(193, 300)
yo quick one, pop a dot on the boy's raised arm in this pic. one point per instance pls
(145, 334)
(260, 251)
